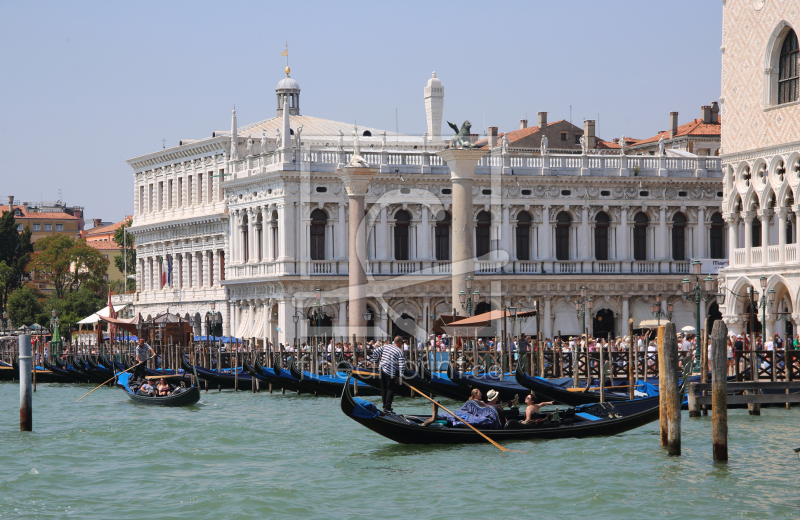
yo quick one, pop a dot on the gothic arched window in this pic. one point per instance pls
(789, 70)
(442, 236)
(716, 236)
(319, 220)
(640, 236)
(483, 234)
(402, 219)
(563, 223)
(523, 234)
(601, 236)
(679, 237)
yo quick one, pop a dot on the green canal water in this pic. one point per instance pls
(281, 456)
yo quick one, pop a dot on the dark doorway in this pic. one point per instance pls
(483, 234)
(679, 237)
(402, 218)
(318, 221)
(603, 324)
(322, 329)
(442, 235)
(523, 233)
(757, 328)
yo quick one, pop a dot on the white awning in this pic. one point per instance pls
(258, 325)
(641, 312)
(94, 318)
(566, 320)
(683, 314)
(244, 323)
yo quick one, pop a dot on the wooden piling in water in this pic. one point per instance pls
(668, 386)
(631, 362)
(719, 391)
(662, 406)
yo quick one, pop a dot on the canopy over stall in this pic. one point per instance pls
(171, 327)
(478, 325)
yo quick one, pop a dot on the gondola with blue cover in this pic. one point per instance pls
(180, 397)
(332, 385)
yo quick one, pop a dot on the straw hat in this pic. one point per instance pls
(491, 394)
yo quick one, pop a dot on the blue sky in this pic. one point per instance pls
(87, 85)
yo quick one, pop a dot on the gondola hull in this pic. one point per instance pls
(409, 430)
(187, 398)
(548, 391)
(327, 385)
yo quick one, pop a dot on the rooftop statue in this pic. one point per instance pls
(249, 147)
(462, 139)
(584, 145)
(425, 142)
(504, 145)
(340, 146)
(622, 145)
(383, 140)
(661, 149)
(297, 135)
(544, 145)
(263, 142)
(357, 160)
(278, 140)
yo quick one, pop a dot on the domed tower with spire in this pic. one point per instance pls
(434, 106)
(289, 90)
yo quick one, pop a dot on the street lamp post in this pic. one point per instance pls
(696, 294)
(469, 301)
(657, 313)
(296, 342)
(581, 306)
(53, 340)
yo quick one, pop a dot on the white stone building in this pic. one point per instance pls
(262, 241)
(761, 159)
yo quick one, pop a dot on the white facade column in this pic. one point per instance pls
(341, 324)
(781, 212)
(626, 314)
(341, 228)
(217, 267)
(382, 236)
(623, 235)
(701, 244)
(233, 230)
(505, 233)
(225, 310)
(252, 236)
(545, 233)
(201, 278)
(384, 324)
(140, 275)
(731, 219)
(748, 236)
(286, 231)
(662, 251)
(547, 327)
(265, 234)
(424, 252)
(764, 216)
(585, 241)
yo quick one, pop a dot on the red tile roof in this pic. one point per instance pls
(515, 135)
(696, 127)
(54, 215)
(611, 145)
(110, 228)
(104, 245)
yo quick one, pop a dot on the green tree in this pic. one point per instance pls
(75, 307)
(15, 251)
(24, 307)
(125, 240)
(69, 265)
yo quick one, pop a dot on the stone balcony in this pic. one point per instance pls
(261, 270)
(776, 256)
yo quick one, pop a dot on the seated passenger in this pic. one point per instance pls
(532, 409)
(146, 389)
(476, 395)
(163, 388)
(493, 396)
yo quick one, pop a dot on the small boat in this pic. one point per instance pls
(618, 417)
(225, 379)
(562, 391)
(180, 397)
(43, 375)
(508, 387)
(371, 377)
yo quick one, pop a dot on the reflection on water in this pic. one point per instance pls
(284, 456)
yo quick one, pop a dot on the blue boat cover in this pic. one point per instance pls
(647, 388)
(364, 409)
(476, 415)
(123, 380)
(587, 416)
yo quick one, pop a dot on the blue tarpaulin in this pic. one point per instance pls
(364, 409)
(476, 415)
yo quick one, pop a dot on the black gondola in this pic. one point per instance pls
(508, 388)
(439, 384)
(181, 396)
(327, 385)
(409, 429)
(43, 376)
(562, 391)
(220, 380)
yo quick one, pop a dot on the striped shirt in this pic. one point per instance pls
(391, 359)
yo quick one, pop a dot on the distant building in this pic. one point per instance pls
(101, 237)
(700, 136)
(46, 219)
(562, 136)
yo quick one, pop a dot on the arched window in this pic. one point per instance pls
(640, 236)
(402, 218)
(755, 232)
(483, 234)
(442, 235)
(523, 234)
(319, 220)
(789, 70)
(563, 222)
(601, 236)
(716, 236)
(679, 237)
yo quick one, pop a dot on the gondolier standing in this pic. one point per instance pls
(141, 357)
(391, 369)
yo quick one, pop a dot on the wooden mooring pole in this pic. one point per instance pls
(668, 387)
(719, 391)
(25, 387)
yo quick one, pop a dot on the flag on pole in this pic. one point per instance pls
(169, 271)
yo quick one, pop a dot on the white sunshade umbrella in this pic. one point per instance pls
(688, 328)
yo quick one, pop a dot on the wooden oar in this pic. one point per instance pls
(115, 376)
(454, 415)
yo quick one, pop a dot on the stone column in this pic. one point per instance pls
(382, 236)
(341, 326)
(748, 236)
(764, 216)
(662, 251)
(731, 219)
(781, 212)
(623, 235)
(356, 180)
(340, 232)
(217, 267)
(462, 163)
(252, 236)
(585, 242)
(545, 233)
(505, 233)
(140, 276)
(424, 252)
(385, 323)
(700, 248)
(547, 327)
(225, 309)
(626, 314)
